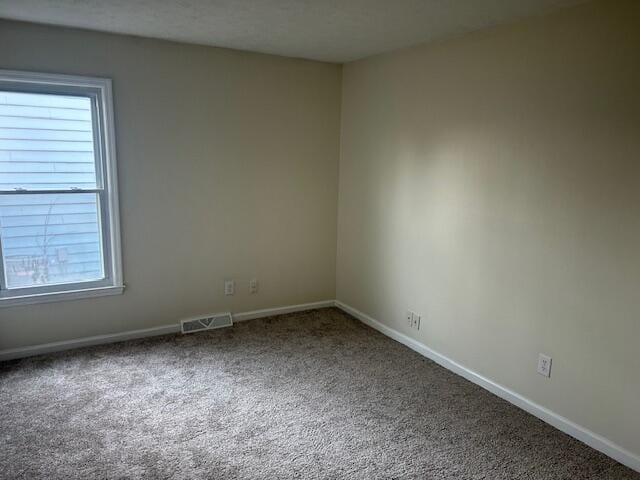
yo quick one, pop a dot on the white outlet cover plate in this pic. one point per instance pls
(544, 365)
(416, 321)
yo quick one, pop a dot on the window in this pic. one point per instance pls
(59, 228)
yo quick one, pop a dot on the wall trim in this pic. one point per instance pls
(267, 312)
(29, 351)
(563, 424)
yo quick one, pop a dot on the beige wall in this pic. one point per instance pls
(491, 183)
(228, 167)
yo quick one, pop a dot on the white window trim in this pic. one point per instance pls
(115, 285)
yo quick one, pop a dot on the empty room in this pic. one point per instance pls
(299, 239)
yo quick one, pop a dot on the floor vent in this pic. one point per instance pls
(218, 320)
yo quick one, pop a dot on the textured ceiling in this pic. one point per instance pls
(330, 30)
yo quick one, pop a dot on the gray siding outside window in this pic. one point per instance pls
(47, 143)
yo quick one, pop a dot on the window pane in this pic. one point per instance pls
(50, 239)
(46, 141)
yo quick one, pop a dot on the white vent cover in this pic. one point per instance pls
(218, 320)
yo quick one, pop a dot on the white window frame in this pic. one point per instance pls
(100, 92)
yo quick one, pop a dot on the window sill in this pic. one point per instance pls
(60, 296)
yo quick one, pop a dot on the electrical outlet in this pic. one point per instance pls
(253, 286)
(229, 287)
(415, 321)
(544, 365)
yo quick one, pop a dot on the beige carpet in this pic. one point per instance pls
(315, 395)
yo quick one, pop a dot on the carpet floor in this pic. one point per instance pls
(313, 395)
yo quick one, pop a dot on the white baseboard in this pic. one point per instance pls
(585, 435)
(268, 312)
(21, 352)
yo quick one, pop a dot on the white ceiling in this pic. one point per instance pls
(330, 30)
